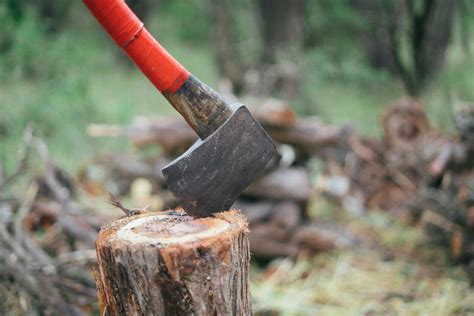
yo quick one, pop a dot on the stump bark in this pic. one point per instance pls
(171, 264)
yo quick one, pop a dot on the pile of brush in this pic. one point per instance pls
(47, 232)
(445, 199)
(46, 240)
(393, 173)
(416, 173)
(275, 203)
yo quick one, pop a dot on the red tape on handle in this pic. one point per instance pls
(128, 32)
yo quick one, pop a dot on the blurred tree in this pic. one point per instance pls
(15, 9)
(275, 70)
(143, 8)
(229, 62)
(466, 7)
(377, 39)
(53, 13)
(281, 24)
(282, 28)
(409, 37)
(430, 24)
(27, 27)
(333, 23)
(334, 33)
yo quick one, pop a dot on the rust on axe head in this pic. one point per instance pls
(210, 175)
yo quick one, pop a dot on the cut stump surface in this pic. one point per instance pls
(171, 264)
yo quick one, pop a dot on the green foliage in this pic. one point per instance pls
(454, 82)
(335, 24)
(23, 56)
(42, 82)
(188, 21)
(64, 80)
(246, 24)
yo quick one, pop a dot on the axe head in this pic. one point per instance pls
(210, 175)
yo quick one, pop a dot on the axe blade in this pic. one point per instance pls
(210, 175)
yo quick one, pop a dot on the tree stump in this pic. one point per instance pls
(171, 264)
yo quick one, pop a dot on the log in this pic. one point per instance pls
(309, 135)
(282, 184)
(388, 197)
(255, 211)
(268, 240)
(462, 244)
(272, 112)
(440, 163)
(171, 133)
(320, 237)
(116, 172)
(287, 215)
(175, 136)
(171, 264)
(264, 246)
(470, 218)
(404, 122)
(269, 231)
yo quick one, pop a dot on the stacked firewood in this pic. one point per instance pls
(445, 200)
(393, 174)
(389, 172)
(47, 233)
(418, 174)
(275, 202)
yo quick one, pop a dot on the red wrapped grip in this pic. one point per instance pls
(129, 33)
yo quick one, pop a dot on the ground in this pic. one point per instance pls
(400, 274)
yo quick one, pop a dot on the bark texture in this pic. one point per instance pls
(171, 264)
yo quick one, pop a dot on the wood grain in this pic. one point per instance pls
(171, 264)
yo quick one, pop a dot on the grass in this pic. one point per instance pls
(358, 283)
(402, 275)
(76, 77)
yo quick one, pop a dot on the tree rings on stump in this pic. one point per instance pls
(171, 264)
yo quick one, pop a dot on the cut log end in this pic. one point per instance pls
(171, 264)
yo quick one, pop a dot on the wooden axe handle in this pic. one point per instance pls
(202, 107)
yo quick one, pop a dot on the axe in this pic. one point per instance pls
(232, 148)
